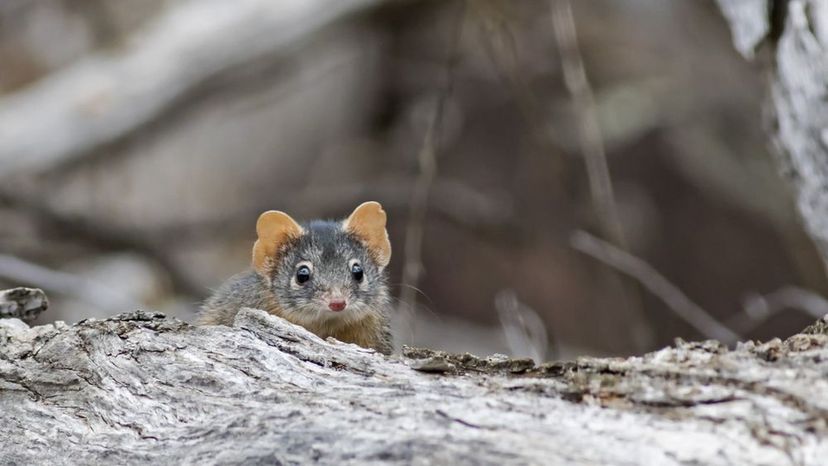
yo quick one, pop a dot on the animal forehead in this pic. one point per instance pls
(327, 241)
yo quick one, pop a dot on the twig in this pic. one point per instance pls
(524, 329)
(595, 158)
(459, 204)
(101, 235)
(589, 131)
(451, 198)
(649, 277)
(453, 201)
(499, 39)
(21, 271)
(758, 308)
(427, 159)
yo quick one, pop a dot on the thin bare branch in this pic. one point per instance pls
(649, 277)
(18, 270)
(595, 158)
(758, 308)
(589, 131)
(453, 201)
(525, 331)
(427, 160)
(101, 234)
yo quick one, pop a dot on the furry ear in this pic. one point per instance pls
(367, 223)
(274, 229)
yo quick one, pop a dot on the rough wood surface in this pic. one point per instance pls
(22, 303)
(143, 389)
(796, 35)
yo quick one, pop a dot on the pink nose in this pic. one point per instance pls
(337, 305)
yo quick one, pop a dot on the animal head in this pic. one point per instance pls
(324, 270)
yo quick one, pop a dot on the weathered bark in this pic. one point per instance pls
(22, 303)
(140, 388)
(796, 35)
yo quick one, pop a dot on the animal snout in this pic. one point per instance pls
(337, 305)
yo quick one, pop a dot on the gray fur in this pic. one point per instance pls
(330, 251)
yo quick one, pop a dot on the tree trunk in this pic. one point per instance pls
(795, 34)
(140, 388)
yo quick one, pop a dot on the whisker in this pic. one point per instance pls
(398, 303)
(421, 292)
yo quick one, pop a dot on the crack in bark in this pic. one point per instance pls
(150, 389)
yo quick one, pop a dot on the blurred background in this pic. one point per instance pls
(139, 141)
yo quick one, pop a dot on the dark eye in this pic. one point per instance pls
(303, 274)
(356, 272)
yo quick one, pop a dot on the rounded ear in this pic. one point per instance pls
(274, 229)
(367, 223)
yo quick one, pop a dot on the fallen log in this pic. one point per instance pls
(140, 388)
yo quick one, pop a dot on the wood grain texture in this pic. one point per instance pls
(22, 303)
(140, 388)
